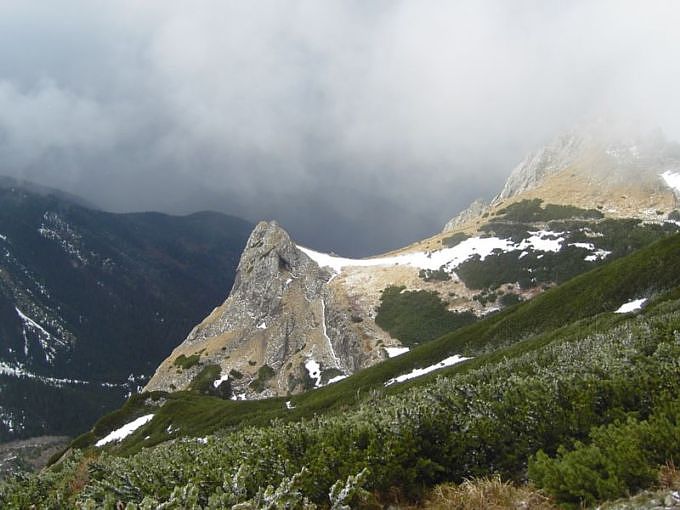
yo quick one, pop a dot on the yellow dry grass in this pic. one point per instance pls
(488, 493)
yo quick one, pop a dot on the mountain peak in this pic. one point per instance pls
(614, 166)
(282, 329)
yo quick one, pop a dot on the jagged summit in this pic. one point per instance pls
(613, 166)
(474, 210)
(282, 329)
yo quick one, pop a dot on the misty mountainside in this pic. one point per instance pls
(91, 301)
(298, 319)
(565, 390)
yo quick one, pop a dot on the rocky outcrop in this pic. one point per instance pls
(606, 160)
(282, 329)
(474, 210)
(537, 165)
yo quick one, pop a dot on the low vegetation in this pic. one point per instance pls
(532, 210)
(417, 316)
(186, 362)
(583, 402)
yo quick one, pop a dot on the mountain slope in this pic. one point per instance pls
(585, 302)
(544, 373)
(299, 318)
(96, 297)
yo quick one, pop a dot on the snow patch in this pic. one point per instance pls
(672, 180)
(123, 432)
(217, 382)
(449, 258)
(336, 379)
(262, 325)
(393, 352)
(542, 240)
(417, 372)
(631, 306)
(314, 371)
(597, 255)
(585, 246)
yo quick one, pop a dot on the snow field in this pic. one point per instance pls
(124, 431)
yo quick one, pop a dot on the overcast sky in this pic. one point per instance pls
(359, 125)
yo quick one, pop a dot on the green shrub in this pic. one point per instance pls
(434, 275)
(455, 239)
(203, 382)
(510, 299)
(185, 362)
(264, 374)
(620, 459)
(532, 211)
(417, 316)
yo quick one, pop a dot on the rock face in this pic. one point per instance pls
(536, 166)
(474, 210)
(609, 166)
(282, 329)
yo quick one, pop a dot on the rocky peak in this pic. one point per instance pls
(282, 329)
(606, 151)
(474, 210)
(612, 165)
(536, 166)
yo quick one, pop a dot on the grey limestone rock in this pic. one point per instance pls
(281, 313)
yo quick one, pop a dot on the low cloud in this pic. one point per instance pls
(359, 125)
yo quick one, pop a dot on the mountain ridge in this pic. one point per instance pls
(564, 209)
(81, 289)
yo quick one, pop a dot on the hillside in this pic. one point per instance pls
(298, 319)
(542, 374)
(91, 301)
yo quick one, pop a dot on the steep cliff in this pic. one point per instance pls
(283, 328)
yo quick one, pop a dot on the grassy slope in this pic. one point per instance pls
(581, 304)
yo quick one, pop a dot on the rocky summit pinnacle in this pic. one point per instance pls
(280, 331)
(615, 167)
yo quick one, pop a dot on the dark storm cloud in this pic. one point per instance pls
(359, 125)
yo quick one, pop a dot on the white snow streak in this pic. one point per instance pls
(393, 352)
(44, 336)
(631, 306)
(336, 379)
(417, 372)
(19, 371)
(125, 430)
(336, 360)
(30, 322)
